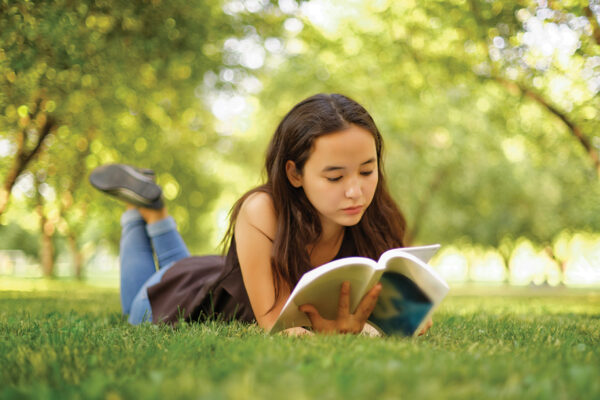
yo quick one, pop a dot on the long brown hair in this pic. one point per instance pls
(382, 226)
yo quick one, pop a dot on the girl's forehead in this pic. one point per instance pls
(353, 143)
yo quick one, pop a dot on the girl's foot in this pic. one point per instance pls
(132, 185)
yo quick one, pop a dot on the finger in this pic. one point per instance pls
(312, 313)
(344, 301)
(318, 323)
(368, 302)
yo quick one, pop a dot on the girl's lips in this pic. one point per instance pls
(352, 210)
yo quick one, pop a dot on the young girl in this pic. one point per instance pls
(325, 198)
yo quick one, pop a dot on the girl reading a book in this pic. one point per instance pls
(325, 198)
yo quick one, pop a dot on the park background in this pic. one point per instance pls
(489, 111)
(490, 115)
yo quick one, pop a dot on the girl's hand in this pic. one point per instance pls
(345, 322)
(297, 331)
(426, 327)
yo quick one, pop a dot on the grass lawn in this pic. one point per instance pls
(65, 340)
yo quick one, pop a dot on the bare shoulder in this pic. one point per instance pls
(258, 211)
(255, 230)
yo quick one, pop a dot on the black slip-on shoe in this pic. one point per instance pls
(127, 183)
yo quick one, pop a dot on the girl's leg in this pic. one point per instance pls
(141, 310)
(137, 260)
(167, 242)
(169, 248)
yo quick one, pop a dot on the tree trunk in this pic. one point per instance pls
(74, 227)
(24, 156)
(47, 254)
(562, 264)
(47, 232)
(77, 257)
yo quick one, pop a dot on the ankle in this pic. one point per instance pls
(151, 215)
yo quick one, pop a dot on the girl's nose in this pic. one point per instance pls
(353, 190)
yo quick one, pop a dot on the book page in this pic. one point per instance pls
(321, 288)
(423, 253)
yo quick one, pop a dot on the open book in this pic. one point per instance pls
(411, 290)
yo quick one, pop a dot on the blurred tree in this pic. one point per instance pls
(547, 52)
(489, 109)
(111, 81)
(469, 153)
(15, 236)
(47, 228)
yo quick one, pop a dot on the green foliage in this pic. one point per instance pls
(479, 123)
(123, 83)
(15, 237)
(69, 341)
(469, 152)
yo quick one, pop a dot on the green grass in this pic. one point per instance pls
(65, 340)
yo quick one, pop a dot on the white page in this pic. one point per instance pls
(424, 253)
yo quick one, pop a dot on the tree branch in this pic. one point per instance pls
(594, 23)
(575, 129)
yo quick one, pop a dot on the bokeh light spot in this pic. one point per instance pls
(140, 144)
(23, 111)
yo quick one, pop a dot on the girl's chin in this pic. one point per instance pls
(349, 220)
(341, 219)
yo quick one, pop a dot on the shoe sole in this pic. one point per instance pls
(125, 183)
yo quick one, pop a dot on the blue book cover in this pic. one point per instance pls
(401, 307)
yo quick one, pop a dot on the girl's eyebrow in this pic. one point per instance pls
(335, 168)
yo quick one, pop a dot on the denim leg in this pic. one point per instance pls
(141, 311)
(167, 242)
(137, 260)
(169, 248)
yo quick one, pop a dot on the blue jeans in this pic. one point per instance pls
(138, 270)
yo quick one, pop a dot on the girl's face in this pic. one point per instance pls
(340, 175)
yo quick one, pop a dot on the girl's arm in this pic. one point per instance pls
(255, 228)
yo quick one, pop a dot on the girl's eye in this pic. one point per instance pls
(334, 179)
(366, 173)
